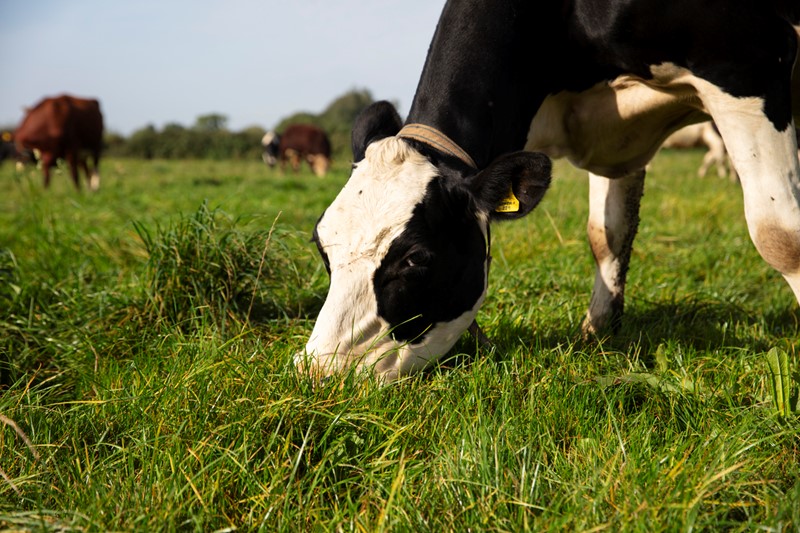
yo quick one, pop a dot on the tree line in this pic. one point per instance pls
(210, 138)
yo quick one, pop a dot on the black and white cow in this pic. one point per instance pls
(270, 143)
(600, 82)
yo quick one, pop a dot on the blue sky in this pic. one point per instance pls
(170, 61)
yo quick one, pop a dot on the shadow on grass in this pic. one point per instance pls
(212, 182)
(262, 312)
(703, 326)
(698, 325)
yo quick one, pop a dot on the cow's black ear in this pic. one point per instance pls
(375, 122)
(512, 185)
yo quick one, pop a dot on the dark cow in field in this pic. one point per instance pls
(7, 149)
(298, 143)
(270, 143)
(64, 127)
(600, 82)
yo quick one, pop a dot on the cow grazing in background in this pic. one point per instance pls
(7, 148)
(600, 82)
(64, 127)
(270, 142)
(298, 143)
(704, 135)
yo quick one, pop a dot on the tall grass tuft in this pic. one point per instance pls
(204, 267)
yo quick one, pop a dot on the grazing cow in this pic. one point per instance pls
(7, 149)
(64, 127)
(298, 143)
(600, 82)
(270, 142)
(704, 135)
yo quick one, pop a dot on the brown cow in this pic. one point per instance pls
(298, 143)
(64, 127)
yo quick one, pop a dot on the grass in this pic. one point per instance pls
(147, 333)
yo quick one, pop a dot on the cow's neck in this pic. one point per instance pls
(477, 84)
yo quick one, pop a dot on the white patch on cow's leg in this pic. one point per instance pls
(319, 164)
(612, 225)
(94, 181)
(767, 164)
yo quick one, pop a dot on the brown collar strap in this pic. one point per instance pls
(436, 139)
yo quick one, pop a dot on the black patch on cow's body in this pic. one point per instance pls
(714, 40)
(491, 64)
(435, 270)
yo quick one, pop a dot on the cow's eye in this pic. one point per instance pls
(417, 258)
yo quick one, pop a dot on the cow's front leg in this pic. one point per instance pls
(48, 161)
(613, 221)
(73, 162)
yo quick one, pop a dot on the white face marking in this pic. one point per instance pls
(382, 191)
(356, 232)
(268, 138)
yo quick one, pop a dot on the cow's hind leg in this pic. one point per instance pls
(319, 164)
(716, 154)
(73, 160)
(48, 161)
(294, 159)
(613, 222)
(766, 161)
(94, 176)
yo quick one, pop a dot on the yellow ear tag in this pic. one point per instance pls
(510, 203)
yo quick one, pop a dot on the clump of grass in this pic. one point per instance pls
(44, 322)
(205, 267)
(9, 278)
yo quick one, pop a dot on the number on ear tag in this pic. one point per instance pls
(510, 203)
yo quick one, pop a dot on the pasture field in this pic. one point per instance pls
(147, 333)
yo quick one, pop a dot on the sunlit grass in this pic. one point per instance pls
(146, 343)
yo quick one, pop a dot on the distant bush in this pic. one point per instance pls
(210, 138)
(177, 142)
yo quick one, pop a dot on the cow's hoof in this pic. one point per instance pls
(476, 333)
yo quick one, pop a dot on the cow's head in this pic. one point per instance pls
(406, 244)
(270, 142)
